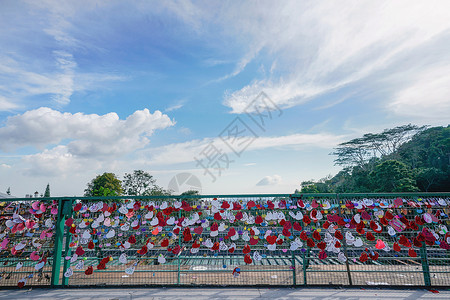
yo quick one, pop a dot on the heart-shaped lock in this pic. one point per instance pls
(68, 273)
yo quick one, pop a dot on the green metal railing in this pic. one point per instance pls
(401, 240)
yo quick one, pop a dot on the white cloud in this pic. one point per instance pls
(323, 46)
(270, 180)
(185, 152)
(90, 135)
(6, 105)
(5, 166)
(54, 162)
(428, 97)
(174, 107)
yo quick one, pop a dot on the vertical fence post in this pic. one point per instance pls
(67, 250)
(294, 275)
(179, 245)
(424, 260)
(425, 265)
(305, 264)
(349, 275)
(57, 250)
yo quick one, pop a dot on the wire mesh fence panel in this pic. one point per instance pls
(27, 242)
(230, 240)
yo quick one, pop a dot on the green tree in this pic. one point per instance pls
(138, 183)
(428, 177)
(392, 176)
(159, 191)
(190, 193)
(360, 151)
(47, 191)
(309, 187)
(104, 185)
(141, 183)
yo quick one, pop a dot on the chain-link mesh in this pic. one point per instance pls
(283, 240)
(27, 242)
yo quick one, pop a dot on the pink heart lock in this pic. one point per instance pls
(54, 211)
(30, 224)
(34, 256)
(35, 205)
(42, 207)
(4, 244)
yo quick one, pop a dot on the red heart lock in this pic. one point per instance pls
(248, 260)
(132, 239)
(316, 235)
(258, 220)
(89, 270)
(412, 253)
(165, 243)
(271, 239)
(297, 226)
(363, 257)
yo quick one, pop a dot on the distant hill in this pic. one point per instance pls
(403, 159)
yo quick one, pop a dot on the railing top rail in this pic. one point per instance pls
(300, 195)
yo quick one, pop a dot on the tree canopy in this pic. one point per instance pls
(402, 159)
(104, 185)
(47, 191)
(141, 183)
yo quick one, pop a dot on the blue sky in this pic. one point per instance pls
(93, 86)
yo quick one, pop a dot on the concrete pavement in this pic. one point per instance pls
(221, 293)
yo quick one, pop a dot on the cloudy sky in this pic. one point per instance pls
(250, 97)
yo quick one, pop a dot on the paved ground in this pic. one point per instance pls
(222, 293)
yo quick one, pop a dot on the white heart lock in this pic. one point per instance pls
(130, 270)
(95, 225)
(257, 256)
(48, 223)
(123, 210)
(39, 266)
(80, 265)
(20, 246)
(294, 246)
(123, 258)
(161, 259)
(205, 224)
(223, 246)
(149, 215)
(111, 234)
(341, 257)
(74, 258)
(171, 221)
(272, 247)
(68, 273)
(391, 231)
(245, 236)
(154, 221)
(86, 234)
(358, 242)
